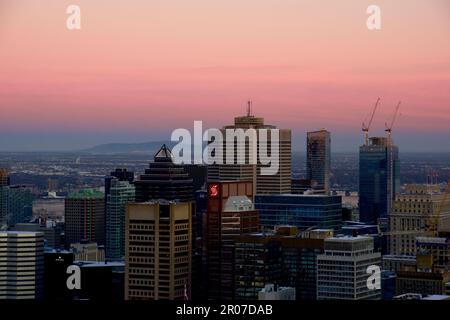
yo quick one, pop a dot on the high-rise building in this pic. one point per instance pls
(285, 257)
(4, 183)
(300, 210)
(164, 179)
(413, 210)
(120, 193)
(21, 265)
(263, 184)
(230, 213)
(20, 204)
(378, 179)
(318, 159)
(342, 269)
(84, 217)
(158, 250)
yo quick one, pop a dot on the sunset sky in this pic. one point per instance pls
(138, 69)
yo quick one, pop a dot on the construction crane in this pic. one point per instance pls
(389, 128)
(433, 220)
(366, 128)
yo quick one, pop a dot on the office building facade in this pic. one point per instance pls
(158, 250)
(379, 180)
(342, 269)
(318, 159)
(300, 210)
(164, 179)
(21, 265)
(263, 184)
(84, 217)
(230, 213)
(120, 193)
(413, 211)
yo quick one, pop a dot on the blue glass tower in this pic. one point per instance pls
(379, 179)
(302, 211)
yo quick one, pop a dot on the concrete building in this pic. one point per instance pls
(413, 211)
(342, 269)
(263, 184)
(21, 265)
(158, 250)
(318, 159)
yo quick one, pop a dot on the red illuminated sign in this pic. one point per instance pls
(213, 190)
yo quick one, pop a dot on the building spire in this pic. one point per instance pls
(249, 108)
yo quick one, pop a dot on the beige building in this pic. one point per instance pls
(88, 251)
(263, 184)
(412, 212)
(158, 250)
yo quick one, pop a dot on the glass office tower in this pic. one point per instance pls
(379, 179)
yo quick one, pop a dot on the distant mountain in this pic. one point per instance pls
(112, 148)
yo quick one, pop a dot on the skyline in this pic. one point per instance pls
(133, 73)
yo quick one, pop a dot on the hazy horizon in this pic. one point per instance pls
(136, 71)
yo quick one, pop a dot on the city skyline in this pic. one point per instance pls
(132, 76)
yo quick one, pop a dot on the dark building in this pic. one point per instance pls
(303, 211)
(230, 213)
(164, 179)
(20, 204)
(378, 179)
(84, 217)
(101, 281)
(318, 159)
(55, 275)
(284, 257)
(198, 173)
(4, 183)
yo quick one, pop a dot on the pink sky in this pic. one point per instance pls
(145, 66)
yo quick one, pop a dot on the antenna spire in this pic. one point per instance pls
(249, 108)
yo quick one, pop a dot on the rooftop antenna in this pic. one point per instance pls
(249, 108)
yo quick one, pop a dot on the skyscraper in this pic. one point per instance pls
(164, 179)
(318, 159)
(230, 213)
(120, 193)
(84, 217)
(158, 250)
(20, 204)
(263, 184)
(342, 269)
(21, 265)
(378, 179)
(4, 183)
